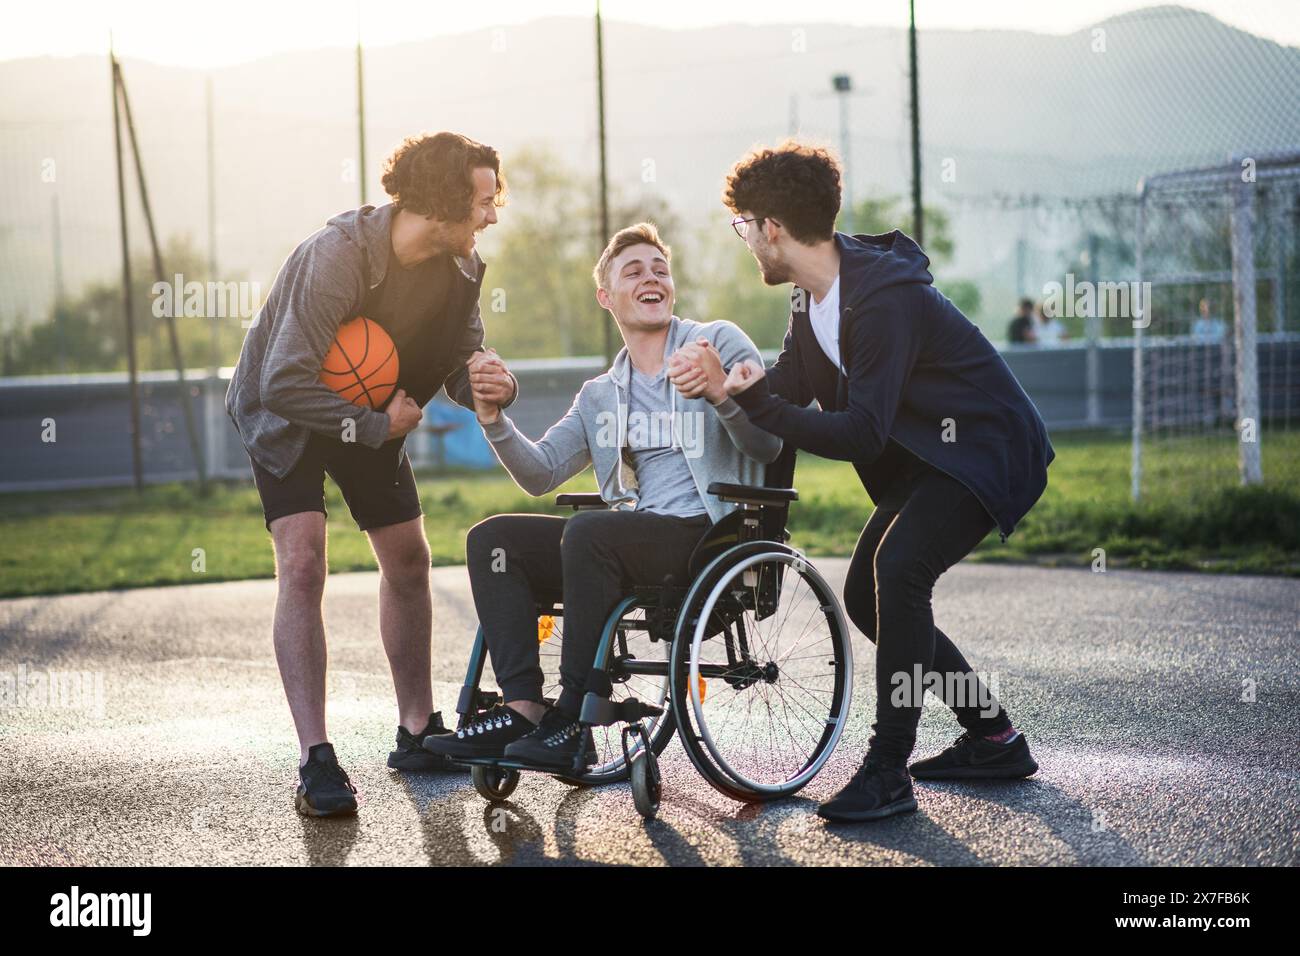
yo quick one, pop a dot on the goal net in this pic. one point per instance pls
(1216, 357)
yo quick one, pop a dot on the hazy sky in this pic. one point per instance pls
(220, 32)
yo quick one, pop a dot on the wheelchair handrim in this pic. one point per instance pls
(837, 721)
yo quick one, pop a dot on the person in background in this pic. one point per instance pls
(1048, 330)
(1207, 328)
(1020, 330)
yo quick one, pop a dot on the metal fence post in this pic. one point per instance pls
(1243, 300)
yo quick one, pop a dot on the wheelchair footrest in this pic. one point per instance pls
(600, 711)
(475, 701)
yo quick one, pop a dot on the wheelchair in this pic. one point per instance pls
(749, 664)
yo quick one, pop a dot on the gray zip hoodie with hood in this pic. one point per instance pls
(275, 397)
(718, 441)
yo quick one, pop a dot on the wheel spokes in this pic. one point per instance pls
(769, 727)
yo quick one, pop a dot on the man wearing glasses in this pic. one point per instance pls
(943, 438)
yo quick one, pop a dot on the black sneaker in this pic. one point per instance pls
(325, 790)
(485, 736)
(554, 743)
(978, 758)
(873, 793)
(409, 755)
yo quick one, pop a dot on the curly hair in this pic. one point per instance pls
(432, 175)
(797, 184)
(642, 232)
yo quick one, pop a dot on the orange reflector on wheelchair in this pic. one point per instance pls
(545, 628)
(704, 689)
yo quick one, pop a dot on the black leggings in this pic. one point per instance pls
(924, 524)
(587, 562)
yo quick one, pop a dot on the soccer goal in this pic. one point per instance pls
(1216, 344)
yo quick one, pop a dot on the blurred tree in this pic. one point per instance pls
(86, 333)
(877, 215)
(1115, 260)
(964, 294)
(535, 298)
(736, 290)
(880, 214)
(539, 298)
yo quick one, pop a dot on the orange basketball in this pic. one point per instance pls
(361, 365)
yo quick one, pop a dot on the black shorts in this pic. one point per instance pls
(378, 490)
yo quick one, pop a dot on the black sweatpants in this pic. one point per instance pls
(924, 524)
(588, 562)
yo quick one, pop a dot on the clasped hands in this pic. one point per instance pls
(490, 383)
(696, 371)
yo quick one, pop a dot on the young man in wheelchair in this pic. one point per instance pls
(654, 453)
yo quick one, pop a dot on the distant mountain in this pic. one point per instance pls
(1016, 112)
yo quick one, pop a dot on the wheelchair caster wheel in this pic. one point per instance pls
(493, 783)
(646, 785)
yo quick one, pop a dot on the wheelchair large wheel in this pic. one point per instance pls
(628, 631)
(761, 677)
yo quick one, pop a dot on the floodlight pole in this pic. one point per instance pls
(212, 214)
(918, 218)
(361, 114)
(604, 170)
(842, 84)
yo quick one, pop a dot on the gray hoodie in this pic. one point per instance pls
(719, 442)
(275, 397)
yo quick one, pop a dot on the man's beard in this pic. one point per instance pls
(454, 241)
(773, 273)
(464, 246)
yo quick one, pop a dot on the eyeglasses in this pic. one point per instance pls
(741, 225)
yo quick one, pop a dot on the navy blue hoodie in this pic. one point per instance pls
(915, 371)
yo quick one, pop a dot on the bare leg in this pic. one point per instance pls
(299, 629)
(406, 616)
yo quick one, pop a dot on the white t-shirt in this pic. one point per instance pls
(825, 319)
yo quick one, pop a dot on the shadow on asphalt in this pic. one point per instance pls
(447, 804)
(918, 835)
(329, 841)
(56, 643)
(450, 809)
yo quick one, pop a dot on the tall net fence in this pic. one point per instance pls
(1031, 148)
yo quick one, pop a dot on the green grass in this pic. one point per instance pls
(91, 540)
(1193, 516)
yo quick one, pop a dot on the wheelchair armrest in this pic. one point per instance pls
(752, 494)
(580, 500)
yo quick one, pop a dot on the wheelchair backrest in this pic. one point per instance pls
(772, 518)
(780, 473)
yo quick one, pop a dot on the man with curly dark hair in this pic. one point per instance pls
(942, 436)
(409, 265)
